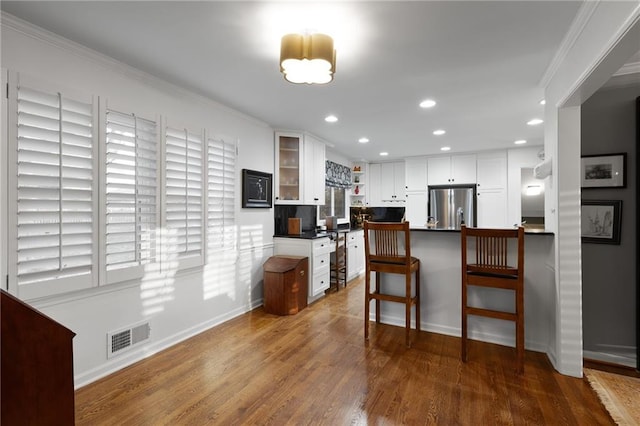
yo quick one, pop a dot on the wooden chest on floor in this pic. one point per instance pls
(285, 284)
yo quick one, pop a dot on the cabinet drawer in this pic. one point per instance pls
(321, 245)
(320, 261)
(321, 282)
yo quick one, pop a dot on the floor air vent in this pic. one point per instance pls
(120, 341)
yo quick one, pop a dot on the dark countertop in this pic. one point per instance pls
(312, 235)
(526, 231)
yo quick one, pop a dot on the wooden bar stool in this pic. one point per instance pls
(490, 267)
(388, 250)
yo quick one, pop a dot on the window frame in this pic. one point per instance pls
(67, 283)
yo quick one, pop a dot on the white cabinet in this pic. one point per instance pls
(492, 170)
(492, 208)
(288, 176)
(373, 189)
(392, 187)
(451, 170)
(299, 171)
(355, 254)
(415, 173)
(313, 171)
(416, 208)
(318, 251)
(492, 190)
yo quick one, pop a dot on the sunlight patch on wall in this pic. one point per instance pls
(157, 285)
(219, 275)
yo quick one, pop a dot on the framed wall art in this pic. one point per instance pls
(256, 189)
(604, 171)
(601, 221)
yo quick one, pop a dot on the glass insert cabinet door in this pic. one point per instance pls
(288, 160)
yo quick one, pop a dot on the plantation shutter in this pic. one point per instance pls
(53, 225)
(221, 186)
(131, 194)
(184, 196)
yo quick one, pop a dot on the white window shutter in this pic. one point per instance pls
(131, 195)
(221, 196)
(54, 198)
(184, 192)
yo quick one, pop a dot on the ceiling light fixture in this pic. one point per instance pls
(543, 102)
(445, 148)
(427, 103)
(331, 119)
(520, 142)
(534, 122)
(533, 190)
(439, 132)
(363, 140)
(384, 154)
(307, 58)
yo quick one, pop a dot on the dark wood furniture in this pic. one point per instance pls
(339, 261)
(285, 284)
(36, 367)
(387, 248)
(485, 262)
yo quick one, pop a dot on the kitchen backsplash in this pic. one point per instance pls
(375, 214)
(282, 213)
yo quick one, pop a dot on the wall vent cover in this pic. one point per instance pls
(122, 340)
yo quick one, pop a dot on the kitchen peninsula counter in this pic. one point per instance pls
(440, 287)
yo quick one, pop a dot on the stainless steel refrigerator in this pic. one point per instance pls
(452, 205)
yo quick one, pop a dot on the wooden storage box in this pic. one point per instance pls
(285, 284)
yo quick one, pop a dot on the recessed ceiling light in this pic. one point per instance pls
(534, 122)
(543, 102)
(439, 132)
(445, 148)
(384, 154)
(331, 119)
(520, 142)
(363, 140)
(427, 103)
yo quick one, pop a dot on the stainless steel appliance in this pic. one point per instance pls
(451, 206)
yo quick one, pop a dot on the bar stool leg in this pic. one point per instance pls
(367, 299)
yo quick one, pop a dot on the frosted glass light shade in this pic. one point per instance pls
(307, 58)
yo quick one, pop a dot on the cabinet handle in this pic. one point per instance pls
(315, 199)
(302, 273)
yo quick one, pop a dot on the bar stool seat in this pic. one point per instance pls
(388, 250)
(490, 268)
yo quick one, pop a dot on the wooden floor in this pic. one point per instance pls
(316, 368)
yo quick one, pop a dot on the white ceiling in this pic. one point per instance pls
(483, 62)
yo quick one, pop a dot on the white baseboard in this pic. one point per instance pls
(152, 348)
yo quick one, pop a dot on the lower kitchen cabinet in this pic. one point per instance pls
(318, 251)
(355, 254)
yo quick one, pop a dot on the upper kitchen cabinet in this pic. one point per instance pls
(392, 186)
(288, 185)
(299, 171)
(492, 170)
(451, 170)
(416, 173)
(313, 172)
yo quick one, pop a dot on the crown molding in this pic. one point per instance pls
(630, 68)
(37, 33)
(577, 26)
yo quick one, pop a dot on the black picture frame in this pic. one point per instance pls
(257, 189)
(603, 171)
(601, 221)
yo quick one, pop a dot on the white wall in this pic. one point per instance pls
(181, 304)
(604, 36)
(517, 159)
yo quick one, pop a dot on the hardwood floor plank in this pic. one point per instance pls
(316, 368)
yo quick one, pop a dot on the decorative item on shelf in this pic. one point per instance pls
(357, 190)
(356, 168)
(356, 179)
